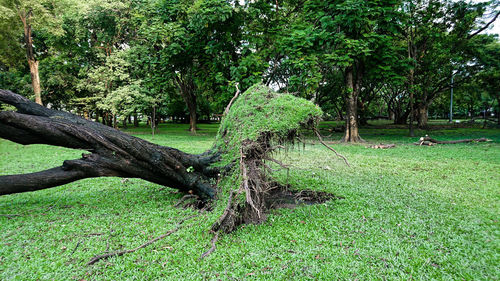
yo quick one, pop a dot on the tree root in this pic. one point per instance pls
(185, 198)
(212, 248)
(245, 185)
(233, 99)
(329, 147)
(121, 253)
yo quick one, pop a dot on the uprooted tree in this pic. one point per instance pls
(234, 172)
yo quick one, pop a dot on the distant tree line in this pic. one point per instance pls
(117, 61)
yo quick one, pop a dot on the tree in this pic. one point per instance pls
(344, 35)
(32, 14)
(113, 87)
(488, 56)
(233, 172)
(438, 34)
(193, 45)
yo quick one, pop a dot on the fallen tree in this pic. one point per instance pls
(235, 172)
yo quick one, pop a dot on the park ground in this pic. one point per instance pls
(406, 213)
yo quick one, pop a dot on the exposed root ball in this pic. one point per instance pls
(259, 122)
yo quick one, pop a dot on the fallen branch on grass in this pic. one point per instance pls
(9, 216)
(121, 253)
(382, 146)
(428, 141)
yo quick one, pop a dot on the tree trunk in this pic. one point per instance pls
(423, 116)
(109, 119)
(192, 118)
(498, 110)
(187, 91)
(351, 131)
(401, 119)
(30, 55)
(136, 120)
(35, 80)
(153, 122)
(112, 153)
(391, 115)
(411, 81)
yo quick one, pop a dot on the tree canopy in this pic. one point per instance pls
(182, 60)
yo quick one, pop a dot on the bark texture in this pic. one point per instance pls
(351, 131)
(423, 116)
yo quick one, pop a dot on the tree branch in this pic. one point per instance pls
(39, 180)
(484, 27)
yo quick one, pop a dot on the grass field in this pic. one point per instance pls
(410, 212)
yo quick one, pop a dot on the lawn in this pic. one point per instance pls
(409, 212)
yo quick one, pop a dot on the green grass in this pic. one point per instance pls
(408, 213)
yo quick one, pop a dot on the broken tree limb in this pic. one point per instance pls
(428, 141)
(382, 146)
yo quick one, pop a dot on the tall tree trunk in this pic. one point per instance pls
(351, 130)
(30, 55)
(412, 52)
(153, 121)
(35, 80)
(423, 115)
(136, 120)
(187, 91)
(192, 115)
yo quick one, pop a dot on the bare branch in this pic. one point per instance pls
(329, 147)
(233, 99)
(121, 253)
